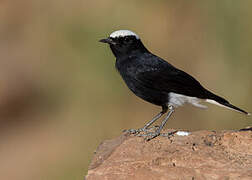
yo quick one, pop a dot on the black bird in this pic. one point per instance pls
(156, 81)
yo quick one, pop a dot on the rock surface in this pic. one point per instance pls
(200, 155)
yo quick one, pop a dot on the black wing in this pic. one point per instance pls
(164, 77)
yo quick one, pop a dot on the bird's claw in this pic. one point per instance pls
(151, 135)
(138, 131)
(132, 131)
(148, 133)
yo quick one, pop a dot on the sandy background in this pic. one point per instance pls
(60, 95)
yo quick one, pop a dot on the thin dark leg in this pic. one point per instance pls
(164, 110)
(171, 110)
(152, 135)
(144, 129)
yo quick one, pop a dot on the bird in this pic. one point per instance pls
(156, 81)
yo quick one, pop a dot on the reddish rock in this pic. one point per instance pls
(201, 155)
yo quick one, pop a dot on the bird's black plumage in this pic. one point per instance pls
(152, 78)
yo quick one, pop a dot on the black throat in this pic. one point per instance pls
(124, 50)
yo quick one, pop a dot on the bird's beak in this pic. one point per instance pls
(108, 40)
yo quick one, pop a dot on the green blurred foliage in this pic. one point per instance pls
(61, 95)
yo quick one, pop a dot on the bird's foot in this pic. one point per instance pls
(133, 131)
(151, 135)
(169, 134)
(138, 131)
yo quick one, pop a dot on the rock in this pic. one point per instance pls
(200, 155)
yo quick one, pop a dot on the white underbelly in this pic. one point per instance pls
(177, 100)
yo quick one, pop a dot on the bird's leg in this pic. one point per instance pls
(145, 128)
(151, 135)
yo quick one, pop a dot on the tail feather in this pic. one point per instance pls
(236, 108)
(214, 99)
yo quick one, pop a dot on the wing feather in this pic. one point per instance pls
(162, 76)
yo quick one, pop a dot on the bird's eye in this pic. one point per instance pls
(127, 39)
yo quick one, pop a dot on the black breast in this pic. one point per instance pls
(129, 69)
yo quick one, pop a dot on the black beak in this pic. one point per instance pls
(108, 40)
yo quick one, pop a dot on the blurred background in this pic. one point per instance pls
(60, 95)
